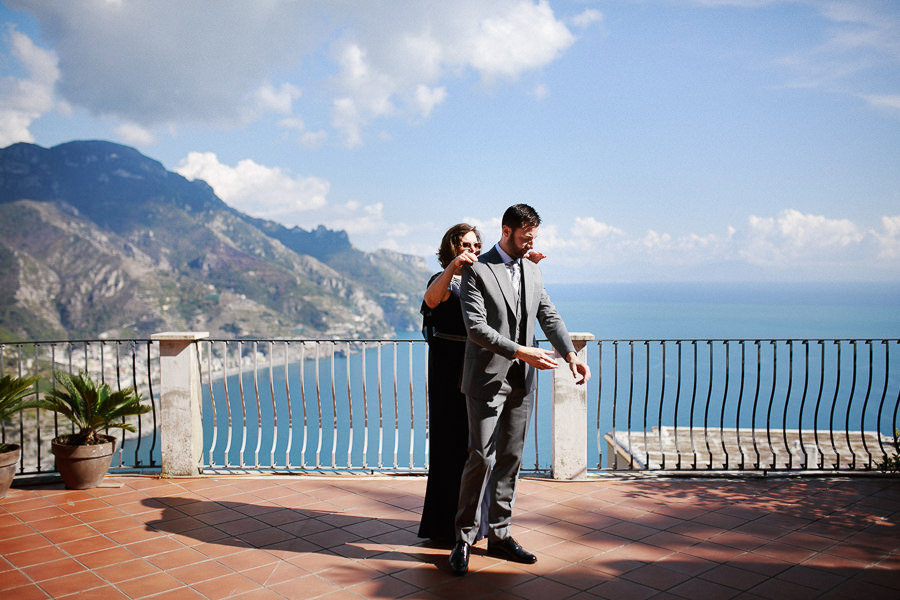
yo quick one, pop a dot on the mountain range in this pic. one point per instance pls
(99, 241)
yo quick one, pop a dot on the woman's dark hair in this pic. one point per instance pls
(451, 243)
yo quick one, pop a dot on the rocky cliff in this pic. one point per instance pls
(98, 240)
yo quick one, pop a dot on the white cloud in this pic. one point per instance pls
(586, 18)
(742, 3)
(362, 220)
(348, 120)
(540, 91)
(278, 100)
(426, 98)
(135, 135)
(794, 237)
(863, 39)
(310, 139)
(525, 36)
(592, 228)
(889, 238)
(258, 190)
(314, 139)
(791, 244)
(23, 100)
(887, 102)
(271, 193)
(150, 65)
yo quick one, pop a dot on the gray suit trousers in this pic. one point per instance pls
(497, 429)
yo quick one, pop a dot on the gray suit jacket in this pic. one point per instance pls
(489, 311)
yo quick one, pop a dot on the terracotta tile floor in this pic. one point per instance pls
(341, 537)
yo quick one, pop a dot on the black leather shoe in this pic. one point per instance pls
(510, 550)
(459, 558)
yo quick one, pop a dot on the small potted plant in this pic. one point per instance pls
(83, 458)
(13, 391)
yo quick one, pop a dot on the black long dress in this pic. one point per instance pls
(448, 424)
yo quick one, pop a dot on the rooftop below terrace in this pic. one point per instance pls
(341, 537)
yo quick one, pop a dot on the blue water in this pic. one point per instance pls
(730, 310)
(366, 422)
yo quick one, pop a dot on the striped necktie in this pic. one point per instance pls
(515, 276)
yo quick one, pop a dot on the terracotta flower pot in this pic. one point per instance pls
(83, 467)
(8, 462)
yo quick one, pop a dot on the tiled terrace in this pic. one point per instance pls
(340, 537)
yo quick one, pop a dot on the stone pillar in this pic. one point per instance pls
(569, 418)
(181, 426)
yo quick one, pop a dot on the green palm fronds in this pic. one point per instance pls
(12, 395)
(13, 391)
(91, 407)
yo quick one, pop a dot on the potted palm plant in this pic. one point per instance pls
(83, 458)
(13, 391)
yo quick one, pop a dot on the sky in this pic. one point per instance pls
(660, 140)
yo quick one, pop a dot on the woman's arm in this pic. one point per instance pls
(439, 290)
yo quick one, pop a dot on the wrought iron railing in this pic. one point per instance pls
(747, 404)
(360, 405)
(120, 363)
(315, 404)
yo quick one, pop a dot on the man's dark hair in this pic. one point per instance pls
(520, 215)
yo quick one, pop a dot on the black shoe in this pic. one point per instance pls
(459, 558)
(510, 550)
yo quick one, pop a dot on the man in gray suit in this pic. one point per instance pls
(502, 295)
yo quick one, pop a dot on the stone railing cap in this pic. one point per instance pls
(179, 335)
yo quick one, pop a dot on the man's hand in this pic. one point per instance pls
(536, 357)
(580, 371)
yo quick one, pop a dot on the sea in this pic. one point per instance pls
(366, 408)
(730, 310)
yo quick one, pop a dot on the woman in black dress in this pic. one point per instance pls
(445, 332)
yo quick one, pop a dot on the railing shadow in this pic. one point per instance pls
(372, 556)
(293, 530)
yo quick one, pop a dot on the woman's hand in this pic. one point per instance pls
(535, 256)
(439, 290)
(466, 258)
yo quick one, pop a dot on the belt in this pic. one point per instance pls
(449, 336)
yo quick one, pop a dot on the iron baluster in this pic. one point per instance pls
(396, 407)
(630, 402)
(259, 432)
(737, 414)
(303, 407)
(365, 409)
(615, 440)
(318, 411)
(837, 387)
(646, 401)
(662, 397)
(677, 399)
(709, 464)
(274, 408)
(884, 389)
(803, 403)
(774, 345)
(755, 403)
(290, 413)
(724, 403)
(352, 436)
(862, 414)
(212, 404)
(227, 456)
(334, 411)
